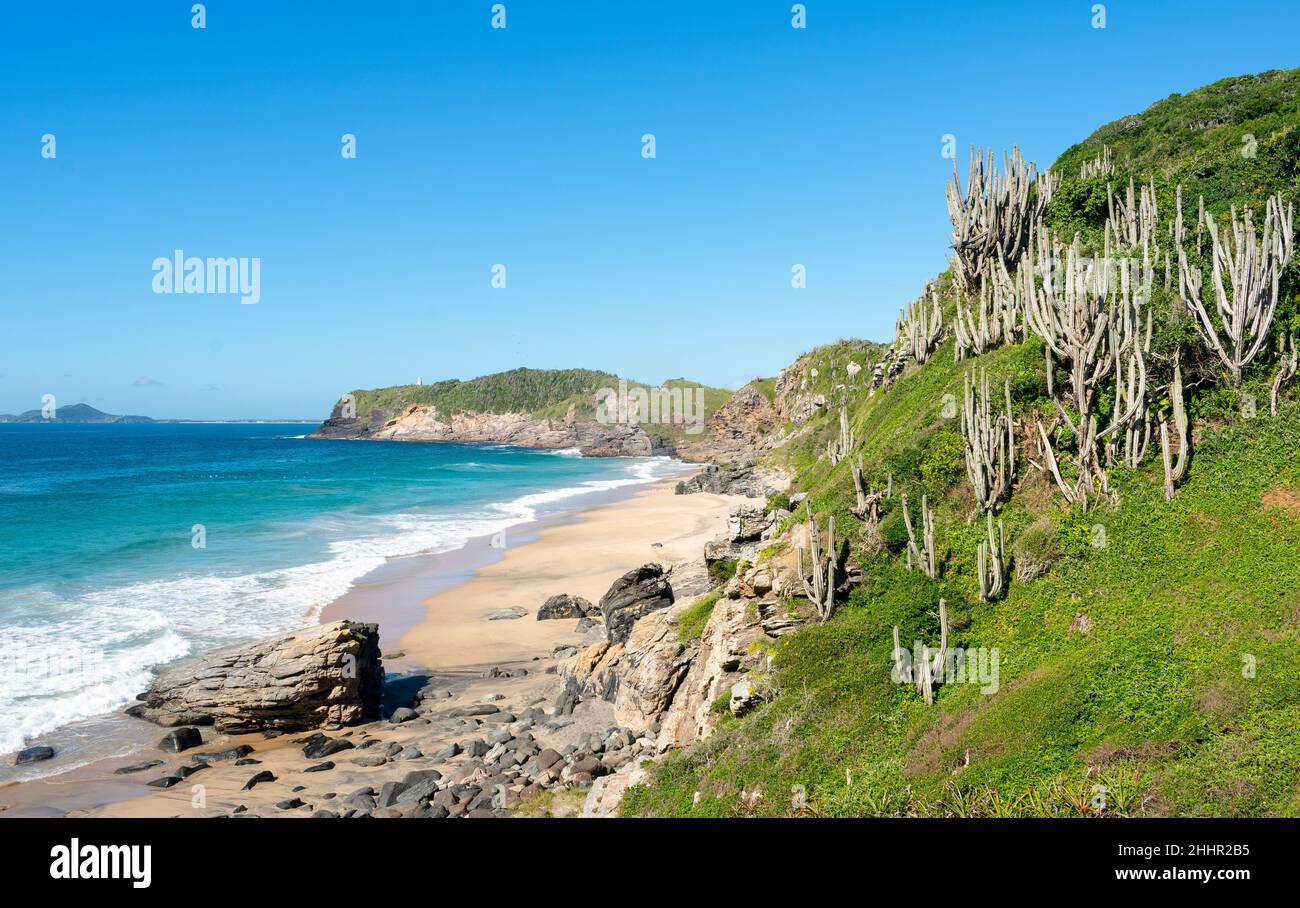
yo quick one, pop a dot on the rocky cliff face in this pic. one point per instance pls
(329, 675)
(658, 680)
(422, 423)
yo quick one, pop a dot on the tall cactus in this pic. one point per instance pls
(837, 450)
(1286, 370)
(990, 442)
(819, 580)
(992, 562)
(1174, 471)
(922, 556)
(1246, 277)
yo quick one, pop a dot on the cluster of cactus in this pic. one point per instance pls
(994, 218)
(1245, 278)
(920, 327)
(994, 319)
(838, 449)
(1089, 311)
(1103, 165)
(924, 660)
(990, 442)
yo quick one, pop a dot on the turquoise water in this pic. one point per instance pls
(124, 547)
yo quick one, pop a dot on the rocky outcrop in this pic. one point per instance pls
(734, 479)
(637, 593)
(330, 675)
(417, 422)
(726, 651)
(743, 427)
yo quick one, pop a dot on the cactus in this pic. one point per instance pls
(819, 581)
(1088, 324)
(921, 556)
(1101, 166)
(920, 327)
(990, 442)
(868, 501)
(925, 660)
(838, 450)
(1290, 364)
(992, 562)
(1174, 471)
(995, 217)
(1246, 276)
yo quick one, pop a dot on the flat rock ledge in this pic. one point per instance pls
(328, 675)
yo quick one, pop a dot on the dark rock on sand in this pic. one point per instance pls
(164, 782)
(33, 754)
(403, 714)
(264, 776)
(324, 747)
(562, 605)
(181, 739)
(230, 753)
(137, 767)
(320, 767)
(291, 804)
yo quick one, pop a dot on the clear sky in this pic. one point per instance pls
(520, 146)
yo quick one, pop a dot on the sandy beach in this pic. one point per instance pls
(453, 642)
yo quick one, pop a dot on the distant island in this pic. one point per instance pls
(85, 413)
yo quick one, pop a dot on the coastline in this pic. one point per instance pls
(438, 604)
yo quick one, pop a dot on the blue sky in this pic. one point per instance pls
(521, 146)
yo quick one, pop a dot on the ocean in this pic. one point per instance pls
(123, 547)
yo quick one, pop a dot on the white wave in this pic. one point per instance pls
(565, 452)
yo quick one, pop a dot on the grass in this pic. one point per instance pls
(691, 622)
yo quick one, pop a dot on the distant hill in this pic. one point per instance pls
(544, 408)
(74, 413)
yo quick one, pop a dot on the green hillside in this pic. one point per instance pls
(1154, 653)
(542, 392)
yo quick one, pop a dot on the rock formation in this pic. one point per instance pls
(329, 675)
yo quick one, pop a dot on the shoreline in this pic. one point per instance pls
(438, 604)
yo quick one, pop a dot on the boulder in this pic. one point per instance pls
(637, 593)
(181, 739)
(507, 614)
(329, 675)
(562, 605)
(747, 523)
(33, 754)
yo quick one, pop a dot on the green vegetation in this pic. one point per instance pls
(1147, 649)
(692, 621)
(548, 393)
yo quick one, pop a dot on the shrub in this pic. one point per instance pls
(941, 466)
(1036, 550)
